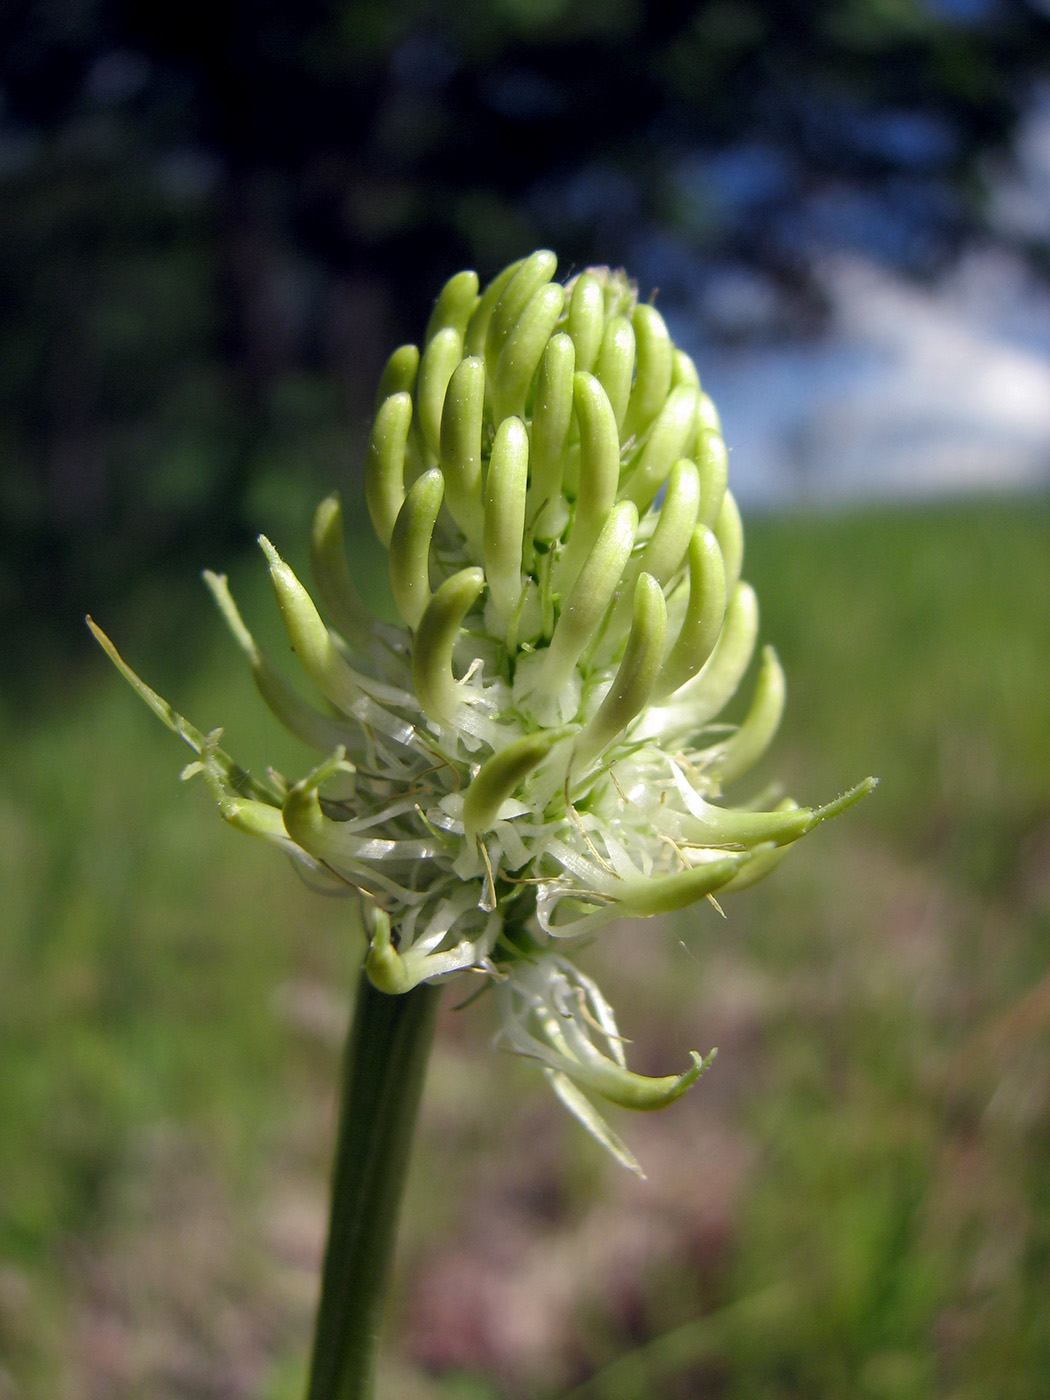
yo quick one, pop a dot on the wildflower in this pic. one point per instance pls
(535, 751)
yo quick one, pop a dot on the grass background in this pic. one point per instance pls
(855, 1202)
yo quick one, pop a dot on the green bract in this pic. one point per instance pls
(532, 754)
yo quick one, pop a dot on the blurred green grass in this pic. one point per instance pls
(171, 1001)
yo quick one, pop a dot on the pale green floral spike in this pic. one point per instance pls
(537, 749)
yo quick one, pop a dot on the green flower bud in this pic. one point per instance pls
(549, 436)
(500, 776)
(713, 464)
(454, 306)
(410, 546)
(436, 367)
(653, 369)
(729, 532)
(385, 471)
(331, 571)
(481, 316)
(460, 445)
(399, 375)
(505, 487)
(702, 623)
(440, 694)
(587, 319)
(528, 278)
(591, 594)
(523, 349)
(636, 676)
(598, 478)
(671, 433)
(616, 366)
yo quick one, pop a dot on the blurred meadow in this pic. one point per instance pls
(856, 1200)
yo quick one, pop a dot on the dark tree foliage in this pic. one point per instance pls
(218, 216)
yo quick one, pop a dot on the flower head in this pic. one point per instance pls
(535, 751)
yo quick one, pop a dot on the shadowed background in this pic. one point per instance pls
(214, 225)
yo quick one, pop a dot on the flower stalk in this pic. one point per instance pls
(538, 748)
(386, 1057)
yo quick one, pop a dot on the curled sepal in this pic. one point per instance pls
(523, 348)
(454, 306)
(505, 486)
(410, 546)
(548, 434)
(655, 363)
(746, 745)
(385, 466)
(704, 613)
(399, 373)
(636, 677)
(438, 691)
(615, 369)
(586, 321)
(670, 435)
(501, 774)
(461, 420)
(553, 1013)
(439, 359)
(332, 574)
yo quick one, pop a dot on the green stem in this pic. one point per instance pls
(386, 1059)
